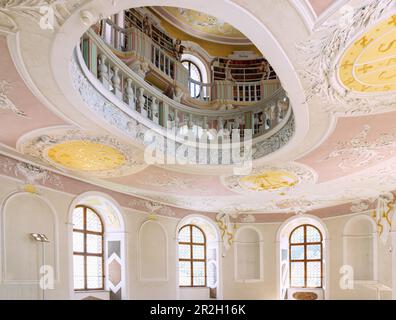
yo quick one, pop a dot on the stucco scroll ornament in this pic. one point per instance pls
(5, 101)
(225, 220)
(33, 174)
(360, 152)
(154, 208)
(45, 12)
(383, 215)
(319, 63)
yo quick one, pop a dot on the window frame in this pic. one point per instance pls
(86, 254)
(192, 260)
(305, 244)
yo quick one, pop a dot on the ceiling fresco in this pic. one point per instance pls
(353, 161)
(202, 25)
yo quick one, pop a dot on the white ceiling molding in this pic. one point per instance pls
(306, 12)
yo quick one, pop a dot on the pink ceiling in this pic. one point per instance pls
(162, 180)
(13, 126)
(319, 6)
(356, 143)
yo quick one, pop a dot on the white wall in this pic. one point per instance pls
(23, 213)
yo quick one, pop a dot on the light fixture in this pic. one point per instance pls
(40, 237)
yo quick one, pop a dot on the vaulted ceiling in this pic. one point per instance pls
(341, 88)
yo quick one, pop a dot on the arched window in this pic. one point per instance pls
(195, 76)
(306, 257)
(88, 257)
(193, 70)
(192, 257)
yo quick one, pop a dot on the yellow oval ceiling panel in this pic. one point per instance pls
(369, 64)
(86, 156)
(269, 180)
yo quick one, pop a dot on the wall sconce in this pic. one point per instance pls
(40, 237)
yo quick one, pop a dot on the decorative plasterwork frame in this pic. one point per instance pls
(320, 58)
(36, 10)
(38, 144)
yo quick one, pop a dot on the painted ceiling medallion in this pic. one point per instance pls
(86, 156)
(369, 64)
(82, 152)
(355, 83)
(269, 180)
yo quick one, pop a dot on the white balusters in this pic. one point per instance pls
(141, 101)
(116, 82)
(103, 71)
(155, 110)
(130, 94)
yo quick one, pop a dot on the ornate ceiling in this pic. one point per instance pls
(344, 88)
(202, 25)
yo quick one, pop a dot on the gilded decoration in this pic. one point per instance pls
(369, 64)
(270, 178)
(86, 156)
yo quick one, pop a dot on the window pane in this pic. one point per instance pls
(199, 273)
(78, 218)
(94, 243)
(93, 221)
(184, 273)
(313, 234)
(184, 251)
(198, 252)
(198, 236)
(194, 72)
(94, 273)
(314, 251)
(314, 274)
(297, 252)
(297, 274)
(78, 272)
(298, 235)
(184, 234)
(78, 242)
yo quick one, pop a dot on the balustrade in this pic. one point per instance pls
(141, 98)
(144, 48)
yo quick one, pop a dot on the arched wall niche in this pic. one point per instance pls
(23, 213)
(115, 259)
(153, 252)
(360, 248)
(248, 255)
(282, 239)
(213, 255)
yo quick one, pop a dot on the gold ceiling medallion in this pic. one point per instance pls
(86, 156)
(269, 180)
(369, 64)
